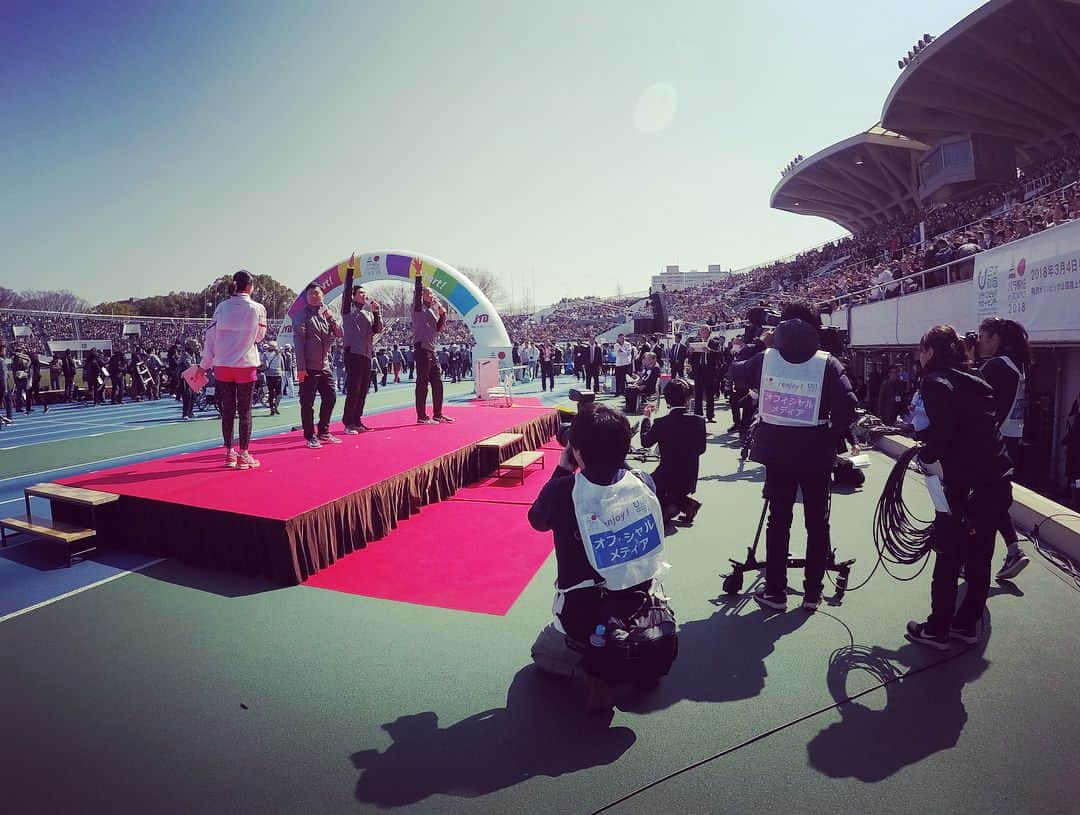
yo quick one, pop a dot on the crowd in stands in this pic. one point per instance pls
(885, 261)
(888, 260)
(46, 327)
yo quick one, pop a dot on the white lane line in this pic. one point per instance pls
(72, 593)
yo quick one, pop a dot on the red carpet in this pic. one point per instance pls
(294, 480)
(492, 556)
(456, 554)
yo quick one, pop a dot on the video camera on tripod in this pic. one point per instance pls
(759, 318)
(583, 399)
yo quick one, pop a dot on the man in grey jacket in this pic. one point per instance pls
(360, 330)
(428, 319)
(314, 333)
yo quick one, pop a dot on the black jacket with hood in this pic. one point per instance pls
(800, 449)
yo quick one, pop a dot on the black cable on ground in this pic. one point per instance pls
(1056, 558)
(874, 666)
(900, 537)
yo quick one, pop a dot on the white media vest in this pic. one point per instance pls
(1013, 426)
(790, 394)
(622, 529)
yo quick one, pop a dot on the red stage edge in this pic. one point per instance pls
(288, 552)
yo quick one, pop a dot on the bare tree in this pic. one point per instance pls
(62, 300)
(488, 283)
(397, 303)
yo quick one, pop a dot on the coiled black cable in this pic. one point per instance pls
(900, 537)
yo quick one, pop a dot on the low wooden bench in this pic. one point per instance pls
(501, 441)
(69, 495)
(50, 530)
(62, 531)
(521, 462)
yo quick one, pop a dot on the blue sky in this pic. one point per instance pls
(569, 148)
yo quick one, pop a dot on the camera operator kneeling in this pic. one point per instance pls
(805, 406)
(609, 542)
(963, 446)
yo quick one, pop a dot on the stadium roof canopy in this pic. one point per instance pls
(867, 179)
(1010, 69)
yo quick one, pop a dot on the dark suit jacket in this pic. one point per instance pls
(677, 355)
(681, 437)
(595, 356)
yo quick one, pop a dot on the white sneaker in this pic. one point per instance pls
(313, 444)
(246, 461)
(326, 438)
(230, 459)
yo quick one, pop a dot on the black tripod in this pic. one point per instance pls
(733, 582)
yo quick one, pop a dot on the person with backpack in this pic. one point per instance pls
(608, 532)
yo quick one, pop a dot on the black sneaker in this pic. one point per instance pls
(965, 635)
(444, 419)
(774, 602)
(1015, 562)
(811, 600)
(918, 633)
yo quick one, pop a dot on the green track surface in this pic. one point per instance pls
(177, 690)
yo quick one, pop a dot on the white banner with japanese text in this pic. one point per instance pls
(1035, 281)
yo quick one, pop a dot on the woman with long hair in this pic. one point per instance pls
(962, 445)
(239, 324)
(1004, 345)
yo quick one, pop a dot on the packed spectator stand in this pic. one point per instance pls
(885, 261)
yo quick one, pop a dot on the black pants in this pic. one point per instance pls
(620, 379)
(780, 488)
(357, 382)
(186, 394)
(1005, 524)
(592, 378)
(321, 383)
(235, 404)
(273, 392)
(117, 389)
(69, 388)
(427, 373)
(704, 394)
(547, 375)
(973, 552)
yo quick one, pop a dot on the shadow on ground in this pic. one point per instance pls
(542, 731)
(721, 658)
(923, 714)
(224, 584)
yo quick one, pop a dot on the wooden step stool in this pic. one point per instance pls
(66, 533)
(496, 445)
(521, 462)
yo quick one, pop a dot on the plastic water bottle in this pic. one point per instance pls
(597, 638)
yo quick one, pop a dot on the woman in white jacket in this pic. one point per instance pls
(230, 349)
